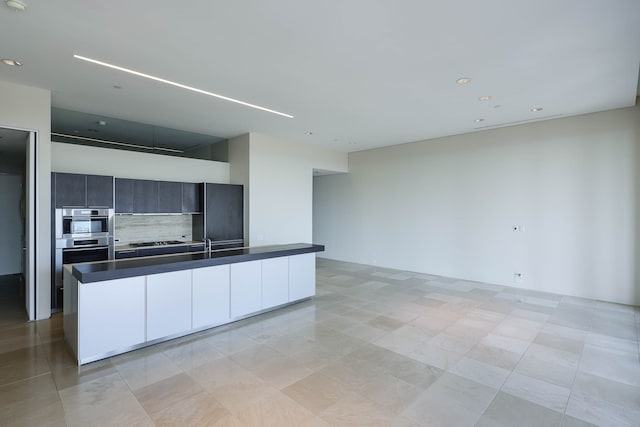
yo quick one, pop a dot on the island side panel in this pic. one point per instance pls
(70, 292)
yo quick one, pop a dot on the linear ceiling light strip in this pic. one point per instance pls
(125, 144)
(180, 85)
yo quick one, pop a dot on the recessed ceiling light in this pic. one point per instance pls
(12, 62)
(479, 120)
(536, 109)
(484, 98)
(16, 5)
(463, 80)
(117, 87)
(308, 133)
(180, 85)
(497, 106)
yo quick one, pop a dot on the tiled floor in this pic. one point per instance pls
(376, 347)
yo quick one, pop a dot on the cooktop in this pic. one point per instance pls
(160, 243)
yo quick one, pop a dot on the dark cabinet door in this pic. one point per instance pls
(191, 197)
(127, 253)
(145, 196)
(169, 197)
(99, 191)
(162, 250)
(196, 248)
(71, 190)
(224, 212)
(124, 195)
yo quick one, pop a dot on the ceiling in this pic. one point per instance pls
(354, 74)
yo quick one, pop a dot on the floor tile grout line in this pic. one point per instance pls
(573, 382)
(12, 383)
(575, 374)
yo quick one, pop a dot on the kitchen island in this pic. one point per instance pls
(113, 307)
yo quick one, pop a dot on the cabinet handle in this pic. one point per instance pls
(87, 248)
(126, 252)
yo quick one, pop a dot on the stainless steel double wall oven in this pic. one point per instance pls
(82, 235)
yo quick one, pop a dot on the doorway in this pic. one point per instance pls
(17, 287)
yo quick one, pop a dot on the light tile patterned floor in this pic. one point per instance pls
(376, 347)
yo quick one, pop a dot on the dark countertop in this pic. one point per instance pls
(132, 267)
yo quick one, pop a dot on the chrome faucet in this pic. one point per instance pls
(208, 244)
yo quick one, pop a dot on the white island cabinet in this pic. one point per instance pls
(275, 282)
(168, 304)
(107, 317)
(112, 315)
(246, 288)
(210, 287)
(302, 276)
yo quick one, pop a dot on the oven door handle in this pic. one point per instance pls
(85, 248)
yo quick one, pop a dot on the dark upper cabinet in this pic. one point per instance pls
(224, 212)
(71, 190)
(82, 191)
(169, 197)
(99, 191)
(191, 197)
(145, 196)
(124, 195)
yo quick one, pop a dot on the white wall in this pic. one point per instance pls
(280, 187)
(11, 224)
(447, 206)
(28, 108)
(73, 158)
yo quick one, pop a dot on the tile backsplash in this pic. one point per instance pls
(151, 228)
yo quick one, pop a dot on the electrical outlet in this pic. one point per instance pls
(518, 277)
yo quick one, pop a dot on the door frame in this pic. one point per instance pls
(30, 223)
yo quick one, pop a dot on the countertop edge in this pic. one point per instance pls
(120, 269)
